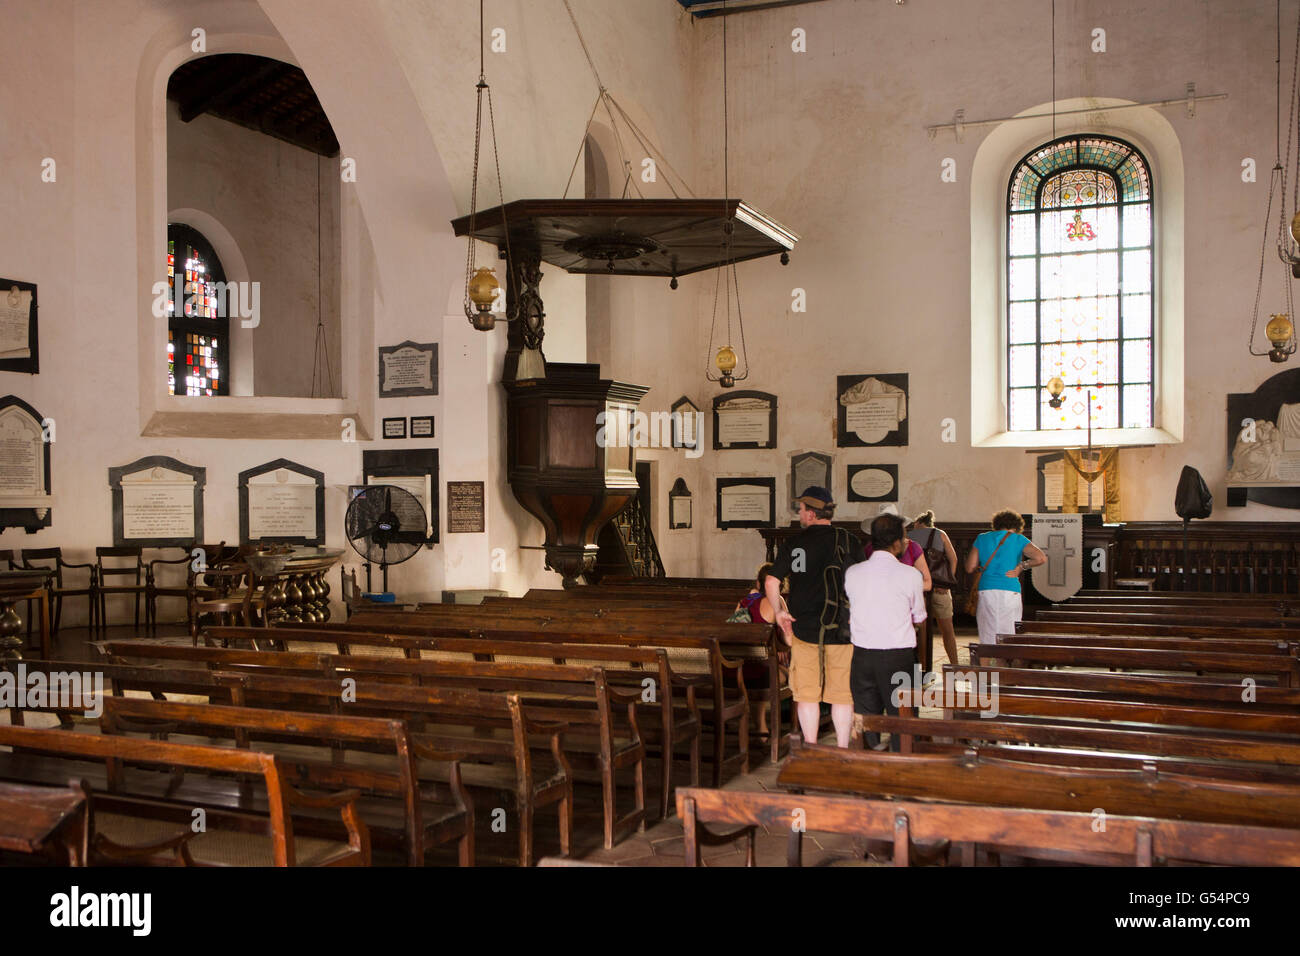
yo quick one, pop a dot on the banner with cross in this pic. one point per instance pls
(1060, 536)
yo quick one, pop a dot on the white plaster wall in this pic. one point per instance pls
(85, 87)
(832, 144)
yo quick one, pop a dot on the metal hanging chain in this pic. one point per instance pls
(483, 87)
(1277, 184)
(606, 99)
(1053, 69)
(322, 347)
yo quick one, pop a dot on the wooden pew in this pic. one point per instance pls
(1264, 668)
(1125, 840)
(1187, 617)
(697, 644)
(77, 752)
(963, 779)
(1186, 631)
(1221, 645)
(624, 666)
(587, 700)
(420, 823)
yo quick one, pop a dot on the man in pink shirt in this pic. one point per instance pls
(885, 601)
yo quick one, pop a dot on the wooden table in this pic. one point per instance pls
(26, 585)
(34, 819)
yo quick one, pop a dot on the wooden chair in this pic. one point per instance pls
(52, 559)
(135, 572)
(197, 584)
(7, 558)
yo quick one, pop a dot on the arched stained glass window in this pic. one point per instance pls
(197, 323)
(1080, 282)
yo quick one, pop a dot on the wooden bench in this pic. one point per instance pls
(580, 697)
(965, 779)
(1263, 668)
(1125, 839)
(77, 753)
(623, 665)
(386, 770)
(703, 650)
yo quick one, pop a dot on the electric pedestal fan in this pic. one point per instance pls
(385, 525)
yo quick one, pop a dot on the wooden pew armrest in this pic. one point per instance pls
(341, 798)
(346, 803)
(105, 850)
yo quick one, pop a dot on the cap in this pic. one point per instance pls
(815, 496)
(888, 508)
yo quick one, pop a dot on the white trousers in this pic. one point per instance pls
(997, 614)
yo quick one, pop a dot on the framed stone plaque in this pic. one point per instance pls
(282, 502)
(25, 498)
(746, 503)
(157, 503)
(410, 368)
(18, 338)
(809, 468)
(687, 423)
(465, 507)
(679, 505)
(414, 470)
(871, 410)
(873, 483)
(421, 426)
(744, 420)
(394, 427)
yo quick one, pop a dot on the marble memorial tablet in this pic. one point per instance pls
(25, 500)
(809, 468)
(744, 420)
(679, 505)
(157, 502)
(465, 507)
(410, 368)
(421, 426)
(871, 410)
(687, 423)
(282, 501)
(873, 483)
(746, 502)
(19, 350)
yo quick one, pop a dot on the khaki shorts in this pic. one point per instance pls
(941, 603)
(805, 673)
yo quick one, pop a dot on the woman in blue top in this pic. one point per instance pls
(1003, 553)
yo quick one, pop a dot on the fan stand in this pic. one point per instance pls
(384, 571)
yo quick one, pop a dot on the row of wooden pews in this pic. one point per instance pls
(1116, 729)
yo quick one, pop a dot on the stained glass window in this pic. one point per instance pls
(197, 315)
(1080, 276)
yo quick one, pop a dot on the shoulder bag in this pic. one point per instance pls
(973, 598)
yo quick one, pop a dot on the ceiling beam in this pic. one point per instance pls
(714, 8)
(222, 95)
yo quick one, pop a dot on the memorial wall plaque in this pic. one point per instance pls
(744, 420)
(871, 410)
(746, 503)
(465, 507)
(1051, 471)
(873, 483)
(25, 499)
(282, 502)
(421, 426)
(410, 368)
(809, 468)
(679, 505)
(687, 423)
(157, 503)
(414, 470)
(394, 427)
(18, 332)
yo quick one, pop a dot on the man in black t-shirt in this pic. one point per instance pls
(821, 652)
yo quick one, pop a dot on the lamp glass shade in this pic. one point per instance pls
(1055, 386)
(1295, 226)
(1279, 330)
(483, 286)
(726, 359)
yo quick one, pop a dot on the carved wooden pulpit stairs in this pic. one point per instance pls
(560, 467)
